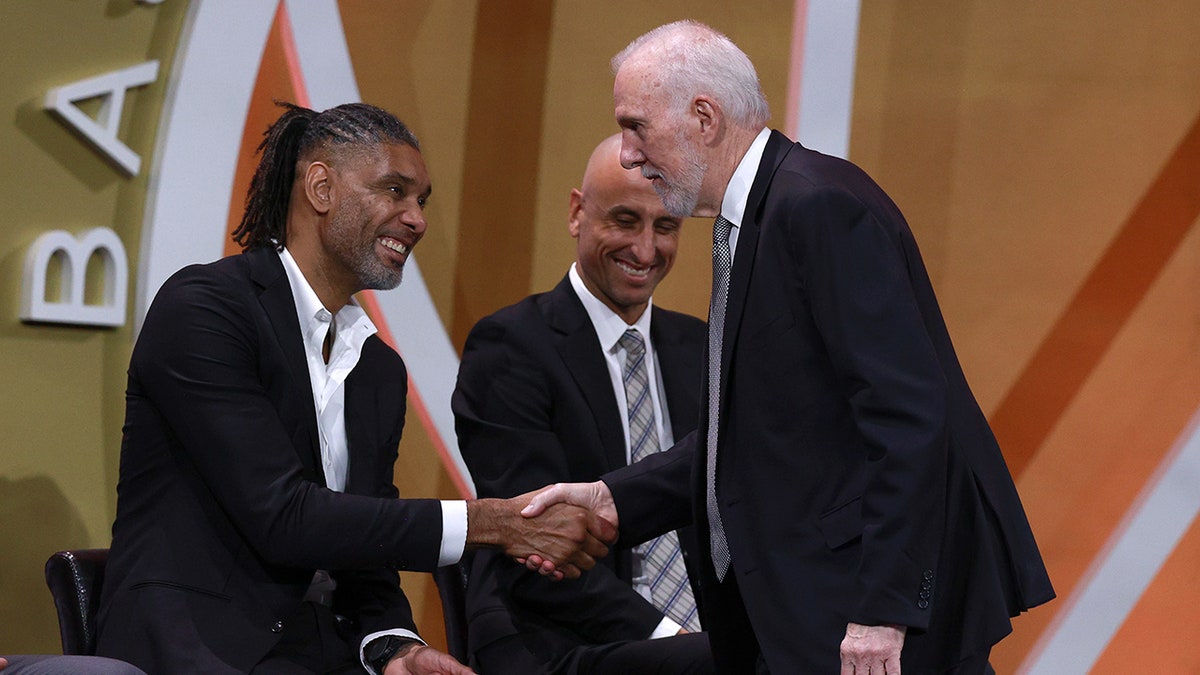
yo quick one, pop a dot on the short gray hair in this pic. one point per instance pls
(692, 59)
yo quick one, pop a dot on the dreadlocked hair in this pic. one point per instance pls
(294, 136)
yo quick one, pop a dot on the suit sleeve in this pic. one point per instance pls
(209, 361)
(504, 413)
(654, 496)
(853, 268)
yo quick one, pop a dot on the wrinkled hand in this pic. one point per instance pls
(595, 497)
(562, 520)
(422, 660)
(569, 537)
(873, 650)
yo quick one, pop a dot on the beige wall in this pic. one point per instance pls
(61, 404)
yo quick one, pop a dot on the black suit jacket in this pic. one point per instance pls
(857, 478)
(222, 513)
(535, 405)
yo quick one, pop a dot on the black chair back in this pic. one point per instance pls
(75, 578)
(452, 589)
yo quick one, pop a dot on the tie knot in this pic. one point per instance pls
(721, 228)
(631, 341)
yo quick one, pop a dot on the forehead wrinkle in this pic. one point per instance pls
(398, 177)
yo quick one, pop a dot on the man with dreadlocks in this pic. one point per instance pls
(258, 528)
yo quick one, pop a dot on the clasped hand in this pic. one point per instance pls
(564, 536)
(594, 497)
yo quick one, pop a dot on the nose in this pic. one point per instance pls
(631, 155)
(642, 247)
(413, 217)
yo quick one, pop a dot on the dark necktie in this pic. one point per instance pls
(722, 263)
(661, 557)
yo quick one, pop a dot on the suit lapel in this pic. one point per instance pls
(275, 297)
(577, 344)
(363, 412)
(778, 146)
(678, 379)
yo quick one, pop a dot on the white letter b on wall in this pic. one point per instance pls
(72, 308)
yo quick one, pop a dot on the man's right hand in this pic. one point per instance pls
(595, 497)
(569, 538)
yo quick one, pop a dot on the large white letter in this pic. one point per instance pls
(102, 132)
(72, 308)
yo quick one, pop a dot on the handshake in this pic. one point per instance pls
(558, 531)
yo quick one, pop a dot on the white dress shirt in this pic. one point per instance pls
(351, 327)
(737, 192)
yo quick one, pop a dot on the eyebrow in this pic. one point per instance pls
(622, 210)
(625, 120)
(404, 179)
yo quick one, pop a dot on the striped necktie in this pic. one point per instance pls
(662, 558)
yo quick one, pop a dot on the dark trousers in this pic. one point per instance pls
(687, 654)
(314, 641)
(678, 655)
(736, 644)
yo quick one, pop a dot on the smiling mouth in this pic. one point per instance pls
(640, 272)
(394, 245)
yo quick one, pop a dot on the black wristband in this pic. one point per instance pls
(382, 649)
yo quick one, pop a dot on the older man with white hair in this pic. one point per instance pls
(856, 507)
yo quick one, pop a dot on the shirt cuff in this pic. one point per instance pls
(666, 628)
(398, 632)
(454, 532)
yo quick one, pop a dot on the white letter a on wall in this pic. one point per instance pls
(102, 131)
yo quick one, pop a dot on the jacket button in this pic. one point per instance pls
(278, 627)
(923, 604)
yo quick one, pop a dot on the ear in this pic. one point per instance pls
(573, 213)
(711, 119)
(318, 187)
